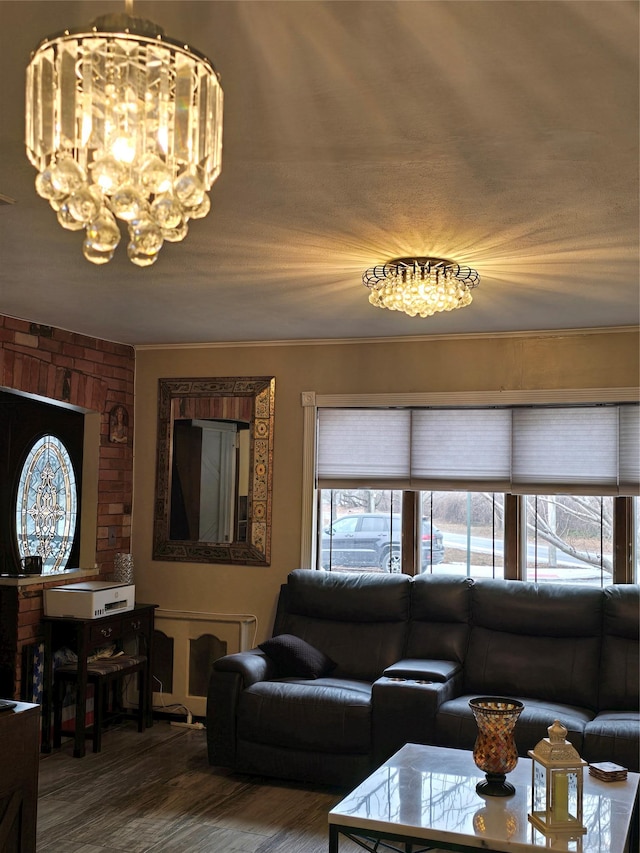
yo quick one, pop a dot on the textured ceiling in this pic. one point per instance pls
(500, 134)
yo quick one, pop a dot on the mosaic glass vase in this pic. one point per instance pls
(495, 750)
(123, 568)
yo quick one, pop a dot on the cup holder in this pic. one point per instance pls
(413, 680)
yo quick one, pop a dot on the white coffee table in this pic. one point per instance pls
(425, 796)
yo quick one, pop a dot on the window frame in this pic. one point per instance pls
(311, 402)
(23, 420)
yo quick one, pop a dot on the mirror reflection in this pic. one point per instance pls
(213, 477)
(209, 480)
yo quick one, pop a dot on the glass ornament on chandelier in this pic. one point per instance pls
(420, 286)
(123, 123)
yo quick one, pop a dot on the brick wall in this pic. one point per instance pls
(93, 375)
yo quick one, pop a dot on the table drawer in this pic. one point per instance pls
(104, 632)
(136, 623)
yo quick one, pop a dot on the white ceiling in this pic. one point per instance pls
(501, 134)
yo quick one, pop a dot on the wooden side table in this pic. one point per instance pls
(83, 636)
(19, 740)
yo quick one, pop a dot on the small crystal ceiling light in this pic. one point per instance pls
(123, 123)
(420, 285)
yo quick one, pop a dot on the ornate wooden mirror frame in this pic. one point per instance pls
(218, 398)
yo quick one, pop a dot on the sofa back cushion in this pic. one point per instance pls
(440, 617)
(358, 620)
(541, 641)
(620, 667)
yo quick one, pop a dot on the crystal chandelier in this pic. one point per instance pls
(420, 285)
(123, 123)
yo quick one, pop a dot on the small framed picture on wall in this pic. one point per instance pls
(118, 425)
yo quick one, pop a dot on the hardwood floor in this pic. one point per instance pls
(155, 793)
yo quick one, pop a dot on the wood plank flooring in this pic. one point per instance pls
(155, 793)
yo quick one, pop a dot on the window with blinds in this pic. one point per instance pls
(521, 450)
(540, 493)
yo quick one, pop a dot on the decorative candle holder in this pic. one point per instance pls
(495, 750)
(123, 568)
(556, 784)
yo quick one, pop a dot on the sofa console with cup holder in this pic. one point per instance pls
(360, 664)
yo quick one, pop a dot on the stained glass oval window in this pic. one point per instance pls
(47, 504)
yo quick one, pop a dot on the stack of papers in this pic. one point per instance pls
(607, 771)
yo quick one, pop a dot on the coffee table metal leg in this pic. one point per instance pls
(376, 843)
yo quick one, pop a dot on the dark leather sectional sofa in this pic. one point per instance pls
(407, 655)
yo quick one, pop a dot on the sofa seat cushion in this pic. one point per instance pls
(614, 736)
(456, 726)
(324, 714)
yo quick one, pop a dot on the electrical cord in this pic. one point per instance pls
(177, 706)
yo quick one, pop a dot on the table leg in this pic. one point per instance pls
(47, 689)
(79, 745)
(333, 838)
(148, 680)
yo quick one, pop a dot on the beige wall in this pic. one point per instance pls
(509, 362)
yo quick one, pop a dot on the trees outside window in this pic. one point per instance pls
(569, 537)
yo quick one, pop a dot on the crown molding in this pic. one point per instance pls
(548, 333)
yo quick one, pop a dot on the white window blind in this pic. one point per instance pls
(629, 446)
(580, 450)
(467, 445)
(575, 448)
(364, 446)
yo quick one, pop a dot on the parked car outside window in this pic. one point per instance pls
(373, 540)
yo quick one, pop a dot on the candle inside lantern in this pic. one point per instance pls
(560, 803)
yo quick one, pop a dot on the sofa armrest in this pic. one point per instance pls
(404, 711)
(251, 666)
(231, 675)
(419, 669)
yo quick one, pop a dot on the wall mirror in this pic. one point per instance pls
(214, 470)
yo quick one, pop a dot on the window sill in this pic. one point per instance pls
(54, 578)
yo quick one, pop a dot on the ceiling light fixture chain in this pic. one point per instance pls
(420, 285)
(123, 123)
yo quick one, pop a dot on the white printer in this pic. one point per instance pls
(89, 599)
